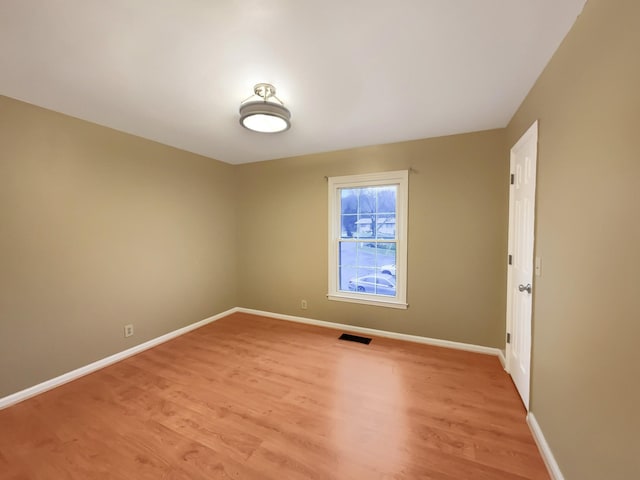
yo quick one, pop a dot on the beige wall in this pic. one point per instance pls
(99, 229)
(586, 359)
(458, 208)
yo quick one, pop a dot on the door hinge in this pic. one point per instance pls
(508, 338)
(513, 179)
(510, 259)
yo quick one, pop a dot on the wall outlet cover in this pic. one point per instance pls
(128, 330)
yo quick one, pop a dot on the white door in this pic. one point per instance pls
(520, 277)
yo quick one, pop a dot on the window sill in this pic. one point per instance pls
(367, 301)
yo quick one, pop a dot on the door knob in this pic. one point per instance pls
(525, 288)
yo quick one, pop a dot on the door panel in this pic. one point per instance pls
(521, 245)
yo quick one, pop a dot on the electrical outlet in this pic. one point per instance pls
(303, 304)
(128, 330)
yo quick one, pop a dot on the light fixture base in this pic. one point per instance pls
(264, 90)
(266, 113)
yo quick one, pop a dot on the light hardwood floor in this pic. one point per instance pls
(249, 397)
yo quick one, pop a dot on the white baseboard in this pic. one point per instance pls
(503, 360)
(97, 365)
(545, 450)
(378, 333)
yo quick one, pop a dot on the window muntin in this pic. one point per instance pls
(367, 228)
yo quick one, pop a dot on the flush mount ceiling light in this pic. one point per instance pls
(264, 112)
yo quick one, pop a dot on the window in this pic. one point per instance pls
(368, 238)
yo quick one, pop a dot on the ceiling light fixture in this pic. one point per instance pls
(266, 113)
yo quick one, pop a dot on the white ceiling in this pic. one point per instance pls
(352, 72)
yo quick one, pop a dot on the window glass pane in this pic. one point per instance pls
(368, 212)
(348, 200)
(347, 263)
(366, 200)
(364, 226)
(386, 287)
(348, 225)
(386, 199)
(362, 262)
(348, 212)
(386, 226)
(386, 258)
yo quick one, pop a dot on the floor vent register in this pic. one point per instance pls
(354, 338)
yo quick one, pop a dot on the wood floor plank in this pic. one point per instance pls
(249, 397)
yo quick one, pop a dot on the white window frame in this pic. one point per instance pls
(400, 178)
